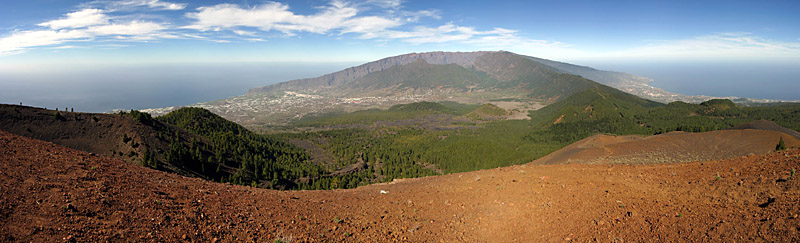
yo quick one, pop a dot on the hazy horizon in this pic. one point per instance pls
(101, 89)
(719, 79)
(91, 89)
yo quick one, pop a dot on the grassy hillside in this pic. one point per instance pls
(605, 110)
(487, 112)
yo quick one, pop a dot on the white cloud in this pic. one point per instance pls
(129, 5)
(417, 15)
(386, 3)
(64, 47)
(132, 28)
(277, 16)
(338, 17)
(102, 21)
(230, 15)
(380, 20)
(368, 26)
(156, 4)
(83, 18)
(242, 32)
(19, 41)
(82, 25)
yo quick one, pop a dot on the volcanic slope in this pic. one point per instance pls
(472, 78)
(52, 193)
(673, 147)
(489, 72)
(188, 141)
(123, 136)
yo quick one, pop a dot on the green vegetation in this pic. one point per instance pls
(487, 111)
(141, 117)
(605, 110)
(394, 113)
(596, 110)
(541, 81)
(58, 116)
(347, 149)
(781, 145)
(239, 156)
(362, 156)
(421, 74)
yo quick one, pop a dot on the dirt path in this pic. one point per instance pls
(51, 193)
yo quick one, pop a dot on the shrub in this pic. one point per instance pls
(781, 145)
(58, 116)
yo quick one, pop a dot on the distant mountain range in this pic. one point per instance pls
(465, 77)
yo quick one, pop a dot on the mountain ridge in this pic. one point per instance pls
(353, 73)
(529, 81)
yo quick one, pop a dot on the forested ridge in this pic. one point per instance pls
(364, 154)
(336, 156)
(598, 110)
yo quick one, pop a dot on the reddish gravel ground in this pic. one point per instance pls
(670, 148)
(50, 193)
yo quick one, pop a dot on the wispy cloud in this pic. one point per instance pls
(18, 41)
(130, 5)
(82, 25)
(414, 16)
(338, 15)
(215, 23)
(341, 18)
(386, 3)
(382, 21)
(715, 46)
(82, 18)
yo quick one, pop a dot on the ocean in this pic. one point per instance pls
(95, 89)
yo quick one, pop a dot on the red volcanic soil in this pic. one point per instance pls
(50, 193)
(671, 147)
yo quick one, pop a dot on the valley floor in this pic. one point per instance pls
(51, 193)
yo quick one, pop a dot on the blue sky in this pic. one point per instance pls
(38, 32)
(92, 54)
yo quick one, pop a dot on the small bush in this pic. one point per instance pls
(781, 145)
(59, 117)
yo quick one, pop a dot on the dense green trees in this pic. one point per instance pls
(598, 110)
(349, 157)
(238, 155)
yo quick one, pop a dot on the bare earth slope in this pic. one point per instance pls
(671, 147)
(97, 133)
(51, 193)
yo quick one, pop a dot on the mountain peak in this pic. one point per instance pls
(464, 59)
